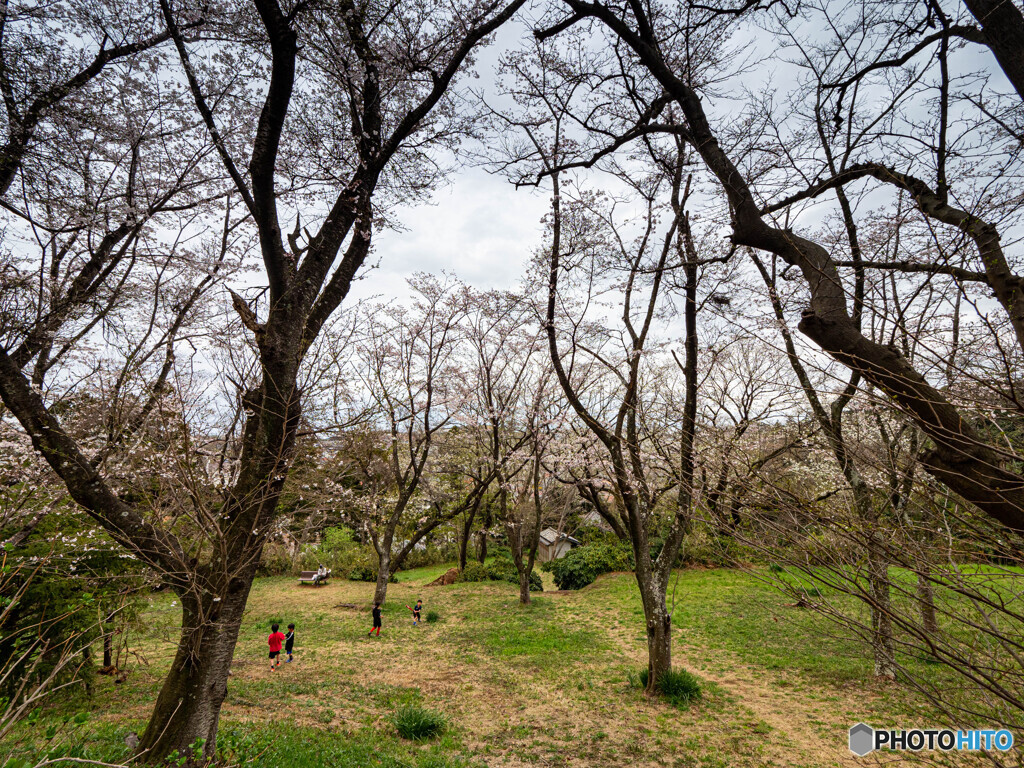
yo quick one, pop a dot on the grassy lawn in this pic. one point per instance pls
(544, 684)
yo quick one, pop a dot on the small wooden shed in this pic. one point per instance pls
(554, 545)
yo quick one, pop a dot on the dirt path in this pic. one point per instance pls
(792, 739)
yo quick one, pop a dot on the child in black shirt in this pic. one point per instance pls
(416, 612)
(376, 621)
(289, 642)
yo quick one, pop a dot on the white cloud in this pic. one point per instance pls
(479, 227)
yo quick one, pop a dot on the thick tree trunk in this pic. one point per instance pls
(187, 709)
(383, 574)
(524, 587)
(466, 532)
(659, 632)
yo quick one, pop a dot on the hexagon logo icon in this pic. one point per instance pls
(862, 739)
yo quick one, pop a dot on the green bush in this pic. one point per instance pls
(678, 686)
(274, 560)
(346, 558)
(705, 548)
(338, 552)
(418, 723)
(584, 564)
(589, 534)
(432, 554)
(501, 568)
(432, 616)
(474, 572)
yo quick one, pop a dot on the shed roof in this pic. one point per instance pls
(549, 535)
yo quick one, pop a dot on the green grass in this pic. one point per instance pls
(419, 723)
(678, 686)
(730, 610)
(534, 635)
(527, 684)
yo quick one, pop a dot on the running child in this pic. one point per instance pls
(274, 641)
(289, 642)
(376, 621)
(416, 612)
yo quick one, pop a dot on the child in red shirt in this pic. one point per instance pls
(274, 641)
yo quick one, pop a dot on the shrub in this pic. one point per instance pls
(501, 568)
(346, 558)
(275, 560)
(678, 686)
(432, 554)
(338, 552)
(474, 572)
(589, 534)
(584, 564)
(418, 723)
(706, 548)
(432, 616)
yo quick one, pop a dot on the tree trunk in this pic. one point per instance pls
(524, 587)
(464, 540)
(187, 709)
(87, 668)
(926, 597)
(882, 644)
(659, 633)
(383, 574)
(108, 642)
(485, 525)
(481, 553)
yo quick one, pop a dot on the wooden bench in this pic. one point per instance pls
(314, 578)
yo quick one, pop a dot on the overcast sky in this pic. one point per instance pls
(478, 227)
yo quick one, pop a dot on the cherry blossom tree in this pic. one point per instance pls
(339, 113)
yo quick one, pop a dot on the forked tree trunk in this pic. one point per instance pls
(526, 568)
(524, 558)
(466, 531)
(187, 709)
